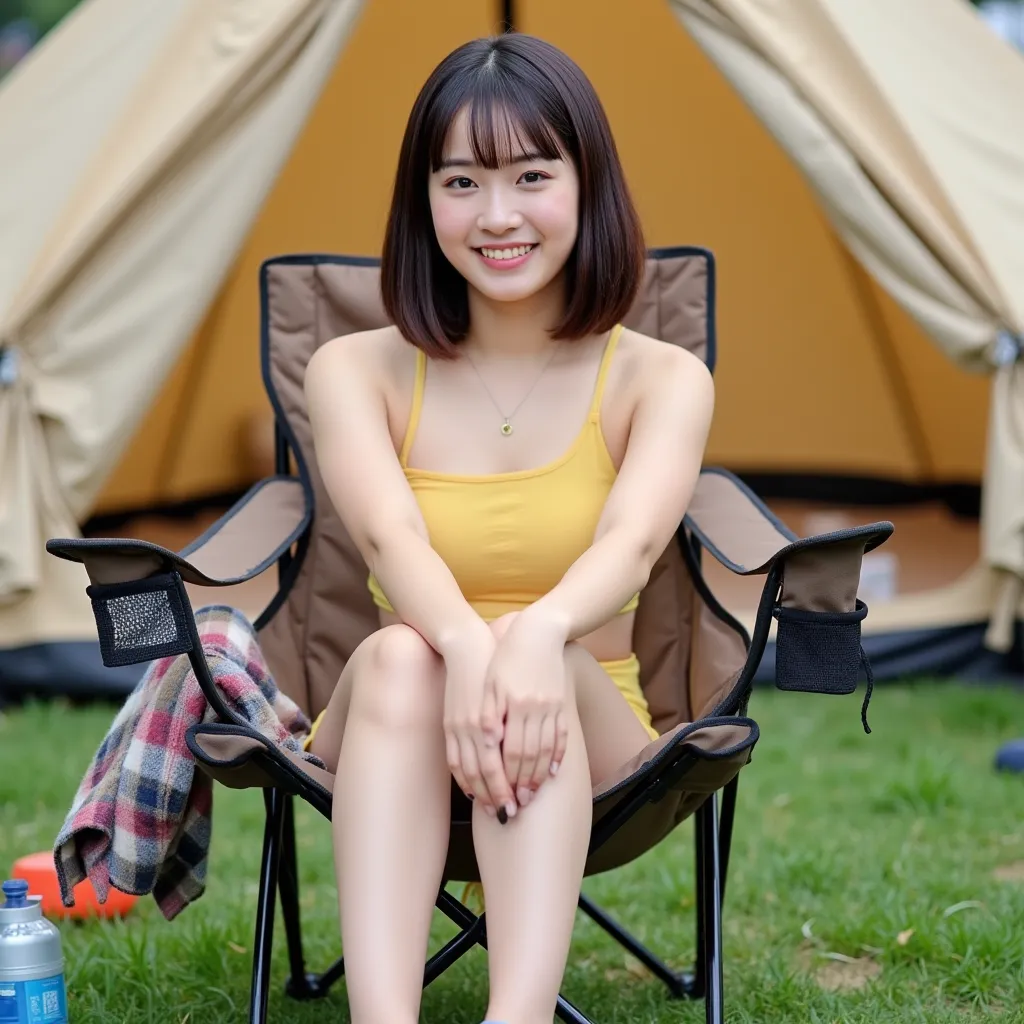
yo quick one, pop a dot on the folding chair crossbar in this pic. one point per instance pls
(475, 934)
(680, 985)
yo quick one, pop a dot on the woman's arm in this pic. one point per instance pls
(656, 481)
(366, 485)
(344, 388)
(526, 684)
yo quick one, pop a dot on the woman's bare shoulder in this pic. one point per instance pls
(380, 360)
(372, 370)
(650, 350)
(376, 351)
(646, 360)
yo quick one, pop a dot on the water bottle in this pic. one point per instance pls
(31, 963)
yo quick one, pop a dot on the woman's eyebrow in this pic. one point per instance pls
(528, 158)
(456, 161)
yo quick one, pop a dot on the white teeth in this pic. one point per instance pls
(506, 254)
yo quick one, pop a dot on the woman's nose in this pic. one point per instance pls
(499, 215)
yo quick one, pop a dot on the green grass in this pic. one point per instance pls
(874, 878)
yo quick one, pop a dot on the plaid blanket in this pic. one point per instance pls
(141, 818)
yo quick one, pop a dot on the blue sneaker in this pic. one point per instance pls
(1010, 757)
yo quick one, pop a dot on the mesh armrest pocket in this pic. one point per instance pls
(818, 652)
(140, 621)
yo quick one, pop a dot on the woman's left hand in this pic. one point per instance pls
(526, 688)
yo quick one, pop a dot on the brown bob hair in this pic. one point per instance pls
(550, 104)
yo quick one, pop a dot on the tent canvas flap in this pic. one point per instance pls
(56, 110)
(938, 155)
(160, 227)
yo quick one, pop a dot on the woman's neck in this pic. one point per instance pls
(511, 329)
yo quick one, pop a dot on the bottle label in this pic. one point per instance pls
(34, 1002)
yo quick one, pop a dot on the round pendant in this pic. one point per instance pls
(506, 428)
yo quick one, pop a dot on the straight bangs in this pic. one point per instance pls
(504, 123)
(522, 96)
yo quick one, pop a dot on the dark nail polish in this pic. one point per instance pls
(503, 815)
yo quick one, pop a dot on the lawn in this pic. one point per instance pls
(874, 878)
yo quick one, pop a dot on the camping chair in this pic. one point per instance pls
(697, 660)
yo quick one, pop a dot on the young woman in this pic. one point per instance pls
(510, 462)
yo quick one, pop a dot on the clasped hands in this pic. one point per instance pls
(504, 712)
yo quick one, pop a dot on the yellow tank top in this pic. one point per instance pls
(508, 538)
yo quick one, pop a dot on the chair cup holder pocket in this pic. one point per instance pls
(141, 620)
(818, 652)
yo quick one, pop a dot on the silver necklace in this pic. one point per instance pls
(506, 424)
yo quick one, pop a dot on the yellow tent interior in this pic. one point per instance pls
(820, 374)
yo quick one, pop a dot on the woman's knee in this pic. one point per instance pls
(400, 680)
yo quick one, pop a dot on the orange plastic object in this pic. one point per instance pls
(37, 869)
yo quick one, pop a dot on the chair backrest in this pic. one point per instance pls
(687, 656)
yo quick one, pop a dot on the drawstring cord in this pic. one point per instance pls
(867, 695)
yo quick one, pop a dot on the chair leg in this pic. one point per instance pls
(474, 935)
(683, 984)
(301, 984)
(679, 985)
(708, 980)
(264, 940)
(725, 823)
(564, 1010)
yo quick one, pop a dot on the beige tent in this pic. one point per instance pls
(905, 122)
(854, 172)
(138, 142)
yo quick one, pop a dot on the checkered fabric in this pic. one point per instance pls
(141, 818)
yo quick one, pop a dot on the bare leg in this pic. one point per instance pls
(532, 868)
(390, 817)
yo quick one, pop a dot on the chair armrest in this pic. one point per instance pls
(249, 538)
(819, 573)
(811, 586)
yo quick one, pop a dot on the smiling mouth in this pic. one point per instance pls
(507, 252)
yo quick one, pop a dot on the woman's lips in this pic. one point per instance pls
(505, 264)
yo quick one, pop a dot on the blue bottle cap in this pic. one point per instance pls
(15, 892)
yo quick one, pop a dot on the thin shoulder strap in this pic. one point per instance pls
(602, 373)
(417, 404)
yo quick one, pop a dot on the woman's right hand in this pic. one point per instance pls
(472, 735)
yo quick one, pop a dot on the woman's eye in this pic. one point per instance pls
(459, 183)
(533, 177)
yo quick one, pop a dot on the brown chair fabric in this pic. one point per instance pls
(230, 756)
(253, 530)
(824, 579)
(251, 535)
(717, 655)
(735, 523)
(821, 574)
(329, 610)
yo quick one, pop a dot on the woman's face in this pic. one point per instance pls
(508, 231)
